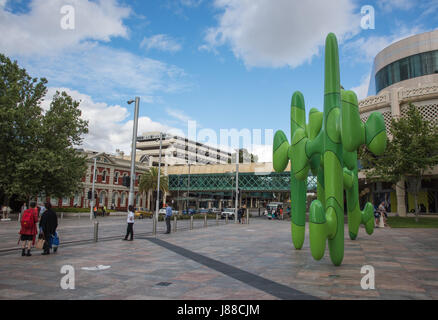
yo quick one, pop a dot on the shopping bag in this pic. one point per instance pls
(40, 243)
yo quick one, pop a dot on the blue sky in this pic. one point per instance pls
(224, 64)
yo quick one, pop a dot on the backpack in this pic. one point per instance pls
(27, 221)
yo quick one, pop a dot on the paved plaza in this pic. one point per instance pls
(225, 262)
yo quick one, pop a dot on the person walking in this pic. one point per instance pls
(243, 215)
(168, 217)
(383, 214)
(95, 211)
(28, 229)
(239, 215)
(48, 225)
(130, 221)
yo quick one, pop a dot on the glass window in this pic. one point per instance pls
(77, 200)
(54, 201)
(407, 68)
(65, 201)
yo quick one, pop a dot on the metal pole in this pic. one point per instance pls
(188, 193)
(93, 200)
(133, 153)
(205, 221)
(158, 185)
(96, 231)
(174, 223)
(237, 185)
(191, 222)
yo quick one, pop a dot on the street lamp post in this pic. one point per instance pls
(237, 185)
(158, 187)
(93, 198)
(133, 151)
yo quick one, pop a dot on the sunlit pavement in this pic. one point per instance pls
(250, 262)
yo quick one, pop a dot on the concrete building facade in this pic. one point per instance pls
(178, 151)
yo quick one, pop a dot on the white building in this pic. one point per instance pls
(178, 151)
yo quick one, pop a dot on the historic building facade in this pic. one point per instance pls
(108, 186)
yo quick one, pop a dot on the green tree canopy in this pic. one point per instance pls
(412, 151)
(149, 182)
(37, 147)
(244, 157)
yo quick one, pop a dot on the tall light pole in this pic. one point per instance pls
(158, 186)
(188, 191)
(133, 151)
(237, 185)
(93, 198)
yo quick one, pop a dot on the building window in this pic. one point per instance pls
(116, 178)
(104, 176)
(54, 201)
(123, 198)
(102, 198)
(418, 65)
(77, 200)
(65, 202)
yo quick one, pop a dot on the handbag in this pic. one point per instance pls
(40, 242)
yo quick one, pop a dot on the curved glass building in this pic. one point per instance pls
(404, 62)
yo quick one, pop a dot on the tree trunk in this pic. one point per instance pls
(416, 206)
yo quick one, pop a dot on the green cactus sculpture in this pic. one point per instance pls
(328, 147)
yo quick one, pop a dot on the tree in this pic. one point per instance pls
(37, 148)
(149, 182)
(244, 157)
(412, 151)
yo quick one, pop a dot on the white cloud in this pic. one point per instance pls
(39, 31)
(161, 42)
(191, 3)
(97, 70)
(109, 127)
(280, 33)
(366, 49)
(390, 5)
(178, 114)
(362, 89)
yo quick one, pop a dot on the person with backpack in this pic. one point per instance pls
(28, 229)
(48, 225)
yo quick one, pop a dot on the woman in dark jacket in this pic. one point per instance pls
(48, 225)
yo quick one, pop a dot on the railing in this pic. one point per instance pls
(73, 230)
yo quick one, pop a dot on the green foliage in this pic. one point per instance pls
(401, 222)
(37, 147)
(244, 157)
(149, 182)
(412, 150)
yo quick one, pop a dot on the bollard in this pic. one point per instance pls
(247, 216)
(205, 221)
(174, 224)
(96, 231)
(191, 222)
(62, 215)
(19, 217)
(154, 226)
(217, 219)
(226, 217)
